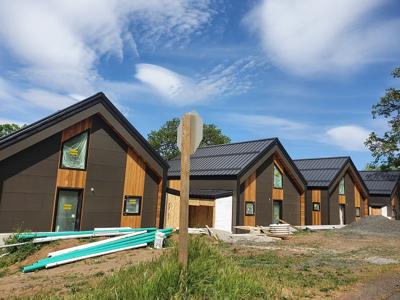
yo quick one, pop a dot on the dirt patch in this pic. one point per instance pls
(386, 286)
(69, 278)
(375, 224)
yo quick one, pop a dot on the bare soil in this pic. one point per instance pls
(65, 279)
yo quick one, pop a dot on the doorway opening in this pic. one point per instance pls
(68, 210)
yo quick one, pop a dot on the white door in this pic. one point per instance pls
(341, 214)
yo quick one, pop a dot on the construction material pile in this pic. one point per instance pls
(375, 224)
(125, 239)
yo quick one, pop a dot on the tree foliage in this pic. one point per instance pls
(164, 139)
(385, 148)
(6, 129)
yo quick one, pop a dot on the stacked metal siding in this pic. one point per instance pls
(320, 172)
(379, 182)
(222, 160)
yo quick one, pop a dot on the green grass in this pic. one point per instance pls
(15, 254)
(218, 272)
(210, 276)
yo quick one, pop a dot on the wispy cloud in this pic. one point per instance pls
(56, 46)
(223, 80)
(345, 137)
(308, 37)
(348, 137)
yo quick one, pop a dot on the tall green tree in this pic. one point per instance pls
(385, 148)
(164, 139)
(6, 129)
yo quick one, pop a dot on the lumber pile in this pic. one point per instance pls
(124, 239)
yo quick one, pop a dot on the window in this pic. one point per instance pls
(132, 205)
(341, 187)
(250, 208)
(277, 178)
(358, 212)
(316, 206)
(74, 152)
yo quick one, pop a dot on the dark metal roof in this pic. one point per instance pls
(321, 172)
(380, 182)
(204, 194)
(223, 160)
(76, 108)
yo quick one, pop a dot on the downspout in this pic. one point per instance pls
(163, 196)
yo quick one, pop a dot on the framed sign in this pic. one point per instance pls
(132, 205)
(250, 208)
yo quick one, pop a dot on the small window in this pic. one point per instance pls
(278, 184)
(132, 205)
(316, 206)
(358, 212)
(341, 187)
(74, 152)
(250, 208)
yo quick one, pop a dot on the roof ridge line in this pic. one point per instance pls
(235, 143)
(320, 158)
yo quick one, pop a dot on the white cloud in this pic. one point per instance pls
(57, 45)
(225, 79)
(349, 137)
(313, 36)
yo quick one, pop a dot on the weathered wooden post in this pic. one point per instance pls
(190, 134)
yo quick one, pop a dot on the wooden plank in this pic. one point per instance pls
(316, 215)
(135, 173)
(342, 199)
(249, 195)
(366, 207)
(277, 194)
(172, 211)
(158, 209)
(184, 192)
(302, 209)
(174, 184)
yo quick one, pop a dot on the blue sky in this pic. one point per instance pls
(306, 71)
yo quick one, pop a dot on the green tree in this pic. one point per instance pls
(164, 139)
(385, 148)
(6, 129)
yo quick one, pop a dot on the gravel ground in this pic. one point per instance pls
(375, 224)
(243, 239)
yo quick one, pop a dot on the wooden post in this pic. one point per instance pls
(184, 193)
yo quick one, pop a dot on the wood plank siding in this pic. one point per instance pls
(249, 195)
(316, 215)
(135, 172)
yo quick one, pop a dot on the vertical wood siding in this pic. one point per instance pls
(316, 215)
(135, 173)
(249, 195)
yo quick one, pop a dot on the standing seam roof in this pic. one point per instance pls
(222, 160)
(320, 172)
(380, 182)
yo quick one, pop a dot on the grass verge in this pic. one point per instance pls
(217, 271)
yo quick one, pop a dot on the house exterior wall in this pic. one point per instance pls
(264, 192)
(105, 173)
(27, 187)
(348, 202)
(29, 181)
(291, 202)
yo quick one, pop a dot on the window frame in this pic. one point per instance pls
(319, 206)
(273, 181)
(138, 198)
(254, 208)
(344, 186)
(61, 166)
